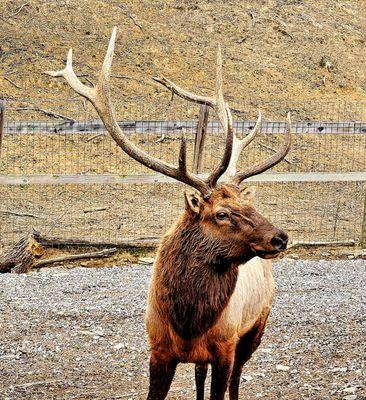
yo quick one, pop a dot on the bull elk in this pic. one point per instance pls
(212, 286)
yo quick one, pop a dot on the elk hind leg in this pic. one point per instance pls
(200, 377)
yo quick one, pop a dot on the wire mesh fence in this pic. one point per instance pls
(56, 176)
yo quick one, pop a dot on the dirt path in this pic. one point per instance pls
(79, 334)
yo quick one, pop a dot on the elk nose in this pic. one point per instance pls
(279, 242)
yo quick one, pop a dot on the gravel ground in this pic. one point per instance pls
(79, 334)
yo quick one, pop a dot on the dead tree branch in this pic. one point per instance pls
(22, 257)
(2, 118)
(252, 15)
(19, 10)
(47, 112)
(17, 214)
(314, 244)
(91, 210)
(96, 254)
(94, 137)
(11, 82)
(141, 243)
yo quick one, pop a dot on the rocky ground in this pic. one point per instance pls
(79, 334)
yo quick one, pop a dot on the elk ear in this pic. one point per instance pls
(248, 194)
(193, 202)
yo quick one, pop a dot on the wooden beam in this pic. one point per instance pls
(2, 119)
(159, 128)
(200, 138)
(145, 243)
(157, 178)
(363, 233)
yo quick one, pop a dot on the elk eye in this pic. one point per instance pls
(222, 215)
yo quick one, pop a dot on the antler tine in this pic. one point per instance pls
(271, 161)
(71, 78)
(184, 94)
(226, 119)
(108, 59)
(219, 105)
(99, 96)
(239, 145)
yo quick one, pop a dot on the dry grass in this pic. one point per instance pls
(286, 54)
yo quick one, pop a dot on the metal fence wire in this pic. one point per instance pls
(70, 180)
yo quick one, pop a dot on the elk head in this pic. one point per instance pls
(224, 212)
(231, 225)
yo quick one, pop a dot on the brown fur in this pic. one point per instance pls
(194, 278)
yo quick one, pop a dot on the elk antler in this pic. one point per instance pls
(222, 109)
(99, 96)
(239, 145)
(238, 177)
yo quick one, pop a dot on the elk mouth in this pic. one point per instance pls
(267, 254)
(263, 253)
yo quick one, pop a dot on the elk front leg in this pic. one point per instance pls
(161, 376)
(200, 377)
(221, 372)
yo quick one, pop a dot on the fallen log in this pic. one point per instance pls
(142, 243)
(71, 257)
(22, 257)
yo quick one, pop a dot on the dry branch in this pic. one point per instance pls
(18, 214)
(47, 112)
(131, 16)
(2, 118)
(22, 257)
(252, 15)
(94, 137)
(315, 244)
(96, 254)
(141, 243)
(91, 210)
(15, 13)
(11, 81)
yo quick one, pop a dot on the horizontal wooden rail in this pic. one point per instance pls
(157, 178)
(175, 127)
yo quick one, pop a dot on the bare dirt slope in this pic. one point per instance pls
(272, 49)
(79, 334)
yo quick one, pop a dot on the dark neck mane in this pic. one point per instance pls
(197, 279)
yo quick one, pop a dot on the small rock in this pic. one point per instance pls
(146, 260)
(247, 378)
(280, 367)
(352, 390)
(119, 346)
(266, 350)
(89, 333)
(339, 369)
(350, 397)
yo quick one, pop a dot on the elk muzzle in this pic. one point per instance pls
(279, 242)
(276, 244)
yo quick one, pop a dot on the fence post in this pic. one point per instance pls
(363, 233)
(2, 118)
(200, 139)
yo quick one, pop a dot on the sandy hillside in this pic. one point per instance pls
(279, 49)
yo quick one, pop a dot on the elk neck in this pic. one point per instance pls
(195, 278)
